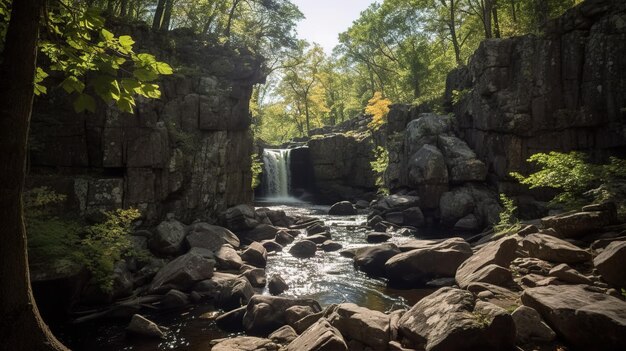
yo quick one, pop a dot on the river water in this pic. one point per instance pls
(328, 278)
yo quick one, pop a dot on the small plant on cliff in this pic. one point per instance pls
(508, 220)
(378, 107)
(106, 243)
(256, 168)
(577, 180)
(379, 166)
(459, 95)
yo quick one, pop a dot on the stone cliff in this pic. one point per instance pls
(563, 91)
(187, 153)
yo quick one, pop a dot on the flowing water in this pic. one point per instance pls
(327, 277)
(276, 173)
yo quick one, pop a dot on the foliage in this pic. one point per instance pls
(379, 166)
(459, 95)
(378, 108)
(577, 180)
(256, 168)
(508, 220)
(106, 243)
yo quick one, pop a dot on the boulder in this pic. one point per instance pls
(343, 208)
(500, 252)
(239, 218)
(271, 246)
(245, 343)
(321, 336)
(429, 175)
(425, 130)
(567, 274)
(359, 323)
(175, 299)
(530, 327)
(295, 313)
(265, 314)
(256, 277)
(455, 205)
(227, 290)
(491, 274)
(303, 249)
(182, 273)
(468, 223)
(588, 320)
(372, 259)
(317, 228)
(330, 246)
(463, 166)
(413, 217)
(417, 267)
(575, 225)
(376, 238)
(611, 262)
(141, 326)
(211, 237)
(283, 238)
(283, 335)
(168, 238)
(259, 233)
(277, 285)
(227, 258)
(552, 249)
(396, 203)
(255, 254)
(451, 319)
(317, 238)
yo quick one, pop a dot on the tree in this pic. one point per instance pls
(21, 327)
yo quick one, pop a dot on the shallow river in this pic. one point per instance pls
(327, 277)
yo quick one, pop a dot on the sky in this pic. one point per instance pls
(325, 19)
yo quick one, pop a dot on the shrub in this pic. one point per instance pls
(577, 180)
(508, 219)
(379, 166)
(256, 168)
(378, 107)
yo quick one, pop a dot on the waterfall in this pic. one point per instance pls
(277, 172)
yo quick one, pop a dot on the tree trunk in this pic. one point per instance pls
(487, 7)
(306, 114)
(455, 39)
(123, 8)
(513, 10)
(21, 326)
(231, 16)
(496, 22)
(167, 15)
(158, 15)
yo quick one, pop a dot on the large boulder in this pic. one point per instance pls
(239, 218)
(321, 336)
(422, 265)
(364, 325)
(303, 249)
(372, 259)
(343, 208)
(463, 166)
(182, 273)
(168, 238)
(585, 319)
(500, 253)
(139, 325)
(255, 254)
(265, 314)
(283, 335)
(227, 258)
(228, 291)
(425, 130)
(451, 319)
(396, 203)
(530, 327)
(277, 285)
(575, 225)
(211, 237)
(611, 263)
(553, 249)
(259, 233)
(429, 175)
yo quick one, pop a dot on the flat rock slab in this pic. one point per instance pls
(245, 343)
(362, 324)
(585, 319)
(553, 249)
(321, 336)
(500, 253)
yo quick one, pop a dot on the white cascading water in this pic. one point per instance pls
(277, 172)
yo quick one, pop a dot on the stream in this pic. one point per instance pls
(328, 278)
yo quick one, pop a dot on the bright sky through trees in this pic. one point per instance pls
(325, 19)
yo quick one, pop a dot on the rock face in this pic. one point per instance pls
(450, 319)
(561, 92)
(586, 320)
(341, 163)
(187, 153)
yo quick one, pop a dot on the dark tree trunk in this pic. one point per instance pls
(496, 23)
(21, 326)
(167, 16)
(231, 17)
(123, 8)
(453, 35)
(158, 15)
(487, 8)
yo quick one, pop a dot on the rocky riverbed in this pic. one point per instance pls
(552, 283)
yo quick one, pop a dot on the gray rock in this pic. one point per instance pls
(227, 258)
(265, 314)
(343, 208)
(277, 285)
(530, 327)
(610, 264)
(271, 246)
(581, 317)
(139, 325)
(245, 343)
(317, 238)
(330, 246)
(256, 277)
(359, 323)
(575, 225)
(500, 253)
(175, 299)
(429, 175)
(419, 266)
(552, 249)
(303, 249)
(567, 274)
(377, 237)
(283, 335)
(255, 254)
(468, 223)
(232, 321)
(284, 238)
(239, 218)
(414, 217)
(372, 259)
(259, 233)
(168, 238)
(211, 237)
(450, 319)
(321, 336)
(182, 273)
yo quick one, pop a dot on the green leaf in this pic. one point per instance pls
(146, 59)
(126, 104)
(83, 103)
(163, 68)
(126, 42)
(144, 75)
(106, 87)
(151, 91)
(72, 84)
(106, 35)
(131, 85)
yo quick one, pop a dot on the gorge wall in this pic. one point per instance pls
(187, 153)
(563, 91)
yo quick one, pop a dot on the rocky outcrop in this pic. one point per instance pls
(560, 92)
(187, 152)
